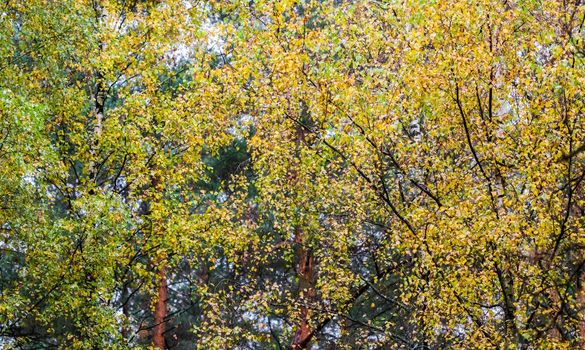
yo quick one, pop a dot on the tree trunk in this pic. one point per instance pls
(305, 271)
(581, 306)
(125, 312)
(160, 309)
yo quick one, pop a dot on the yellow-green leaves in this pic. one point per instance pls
(342, 173)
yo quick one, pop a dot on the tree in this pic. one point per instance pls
(458, 138)
(124, 137)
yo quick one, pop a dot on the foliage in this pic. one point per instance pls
(292, 174)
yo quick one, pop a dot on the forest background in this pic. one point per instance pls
(261, 174)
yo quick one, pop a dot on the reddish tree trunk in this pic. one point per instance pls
(305, 261)
(160, 310)
(305, 271)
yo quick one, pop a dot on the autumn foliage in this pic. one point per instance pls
(260, 174)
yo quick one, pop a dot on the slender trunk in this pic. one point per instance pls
(99, 99)
(305, 271)
(160, 309)
(581, 308)
(304, 256)
(125, 312)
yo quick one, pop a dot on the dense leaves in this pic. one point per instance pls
(292, 174)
